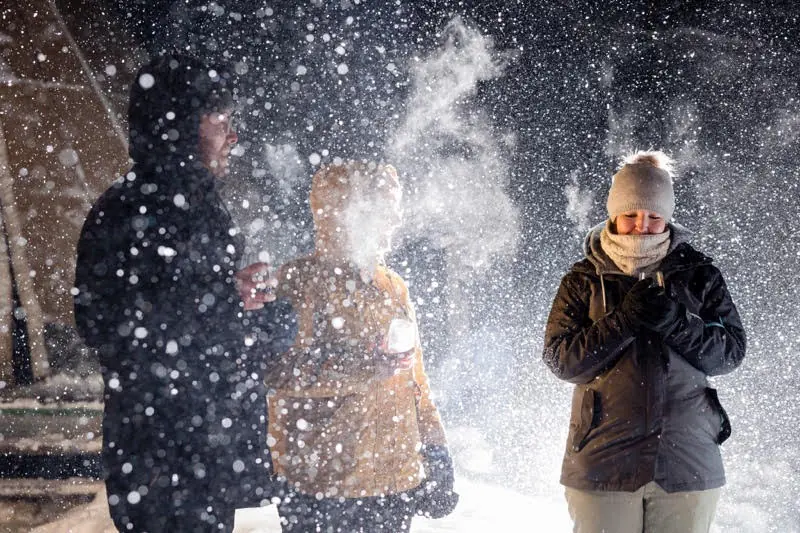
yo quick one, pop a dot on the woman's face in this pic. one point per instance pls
(640, 222)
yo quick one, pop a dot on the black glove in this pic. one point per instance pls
(662, 313)
(435, 497)
(647, 306)
(634, 305)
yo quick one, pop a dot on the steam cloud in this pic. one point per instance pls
(454, 156)
(579, 205)
(273, 233)
(452, 161)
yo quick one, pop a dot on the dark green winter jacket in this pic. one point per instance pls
(642, 409)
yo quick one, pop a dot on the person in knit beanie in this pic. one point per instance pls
(637, 327)
(640, 203)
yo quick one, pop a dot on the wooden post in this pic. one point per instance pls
(19, 263)
(6, 317)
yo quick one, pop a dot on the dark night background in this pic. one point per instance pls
(714, 84)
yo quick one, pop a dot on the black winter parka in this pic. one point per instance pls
(156, 298)
(184, 428)
(642, 409)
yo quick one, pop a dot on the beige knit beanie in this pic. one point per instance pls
(641, 184)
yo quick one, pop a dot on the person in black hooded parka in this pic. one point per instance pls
(159, 296)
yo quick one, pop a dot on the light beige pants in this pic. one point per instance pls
(648, 510)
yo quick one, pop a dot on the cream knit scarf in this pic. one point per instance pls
(635, 253)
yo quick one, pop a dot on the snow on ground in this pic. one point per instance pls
(762, 494)
(483, 507)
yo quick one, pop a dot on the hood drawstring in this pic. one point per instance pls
(603, 290)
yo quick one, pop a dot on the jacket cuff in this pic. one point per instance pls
(685, 328)
(435, 451)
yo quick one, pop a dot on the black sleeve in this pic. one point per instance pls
(577, 349)
(97, 295)
(714, 340)
(159, 278)
(273, 327)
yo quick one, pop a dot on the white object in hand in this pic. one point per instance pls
(402, 336)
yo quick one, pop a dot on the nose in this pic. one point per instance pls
(232, 138)
(642, 224)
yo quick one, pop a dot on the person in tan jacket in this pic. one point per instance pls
(352, 428)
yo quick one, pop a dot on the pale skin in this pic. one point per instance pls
(386, 200)
(640, 222)
(255, 283)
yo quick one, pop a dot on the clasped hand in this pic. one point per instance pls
(647, 306)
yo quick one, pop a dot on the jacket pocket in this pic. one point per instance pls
(586, 420)
(724, 421)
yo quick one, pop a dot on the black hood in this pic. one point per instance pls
(168, 99)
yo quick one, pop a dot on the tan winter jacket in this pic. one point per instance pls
(335, 428)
